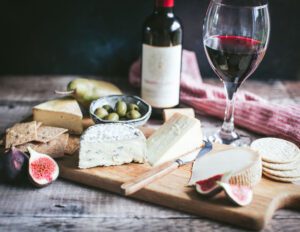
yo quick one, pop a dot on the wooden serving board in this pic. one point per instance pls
(171, 191)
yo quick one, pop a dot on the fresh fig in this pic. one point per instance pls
(43, 170)
(238, 194)
(14, 165)
(209, 187)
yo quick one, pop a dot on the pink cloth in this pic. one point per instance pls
(251, 111)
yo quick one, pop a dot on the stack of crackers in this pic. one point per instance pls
(280, 159)
(53, 141)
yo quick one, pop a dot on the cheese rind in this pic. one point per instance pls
(178, 136)
(64, 112)
(111, 144)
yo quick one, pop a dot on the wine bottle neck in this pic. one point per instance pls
(164, 6)
(163, 10)
(164, 3)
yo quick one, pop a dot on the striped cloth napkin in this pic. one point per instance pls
(251, 111)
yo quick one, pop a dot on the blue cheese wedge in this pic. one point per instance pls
(176, 137)
(111, 144)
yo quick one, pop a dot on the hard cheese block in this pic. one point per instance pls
(178, 136)
(111, 144)
(168, 113)
(64, 112)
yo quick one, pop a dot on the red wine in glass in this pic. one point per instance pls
(235, 38)
(233, 58)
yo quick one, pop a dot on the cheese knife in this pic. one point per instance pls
(155, 173)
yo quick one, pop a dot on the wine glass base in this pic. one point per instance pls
(232, 138)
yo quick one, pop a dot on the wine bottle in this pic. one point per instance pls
(161, 57)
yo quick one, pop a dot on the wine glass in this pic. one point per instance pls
(235, 38)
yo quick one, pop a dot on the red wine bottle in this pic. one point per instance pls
(161, 57)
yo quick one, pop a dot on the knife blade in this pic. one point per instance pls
(207, 148)
(155, 173)
(194, 156)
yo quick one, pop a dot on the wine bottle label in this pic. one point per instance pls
(161, 75)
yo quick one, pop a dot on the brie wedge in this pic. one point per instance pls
(176, 137)
(243, 163)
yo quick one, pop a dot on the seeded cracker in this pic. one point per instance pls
(73, 145)
(295, 173)
(275, 150)
(282, 179)
(55, 148)
(38, 124)
(48, 133)
(282, 167)
(21, 133)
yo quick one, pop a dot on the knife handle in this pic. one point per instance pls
(155, 173)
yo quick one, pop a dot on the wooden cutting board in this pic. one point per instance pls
(171, 191)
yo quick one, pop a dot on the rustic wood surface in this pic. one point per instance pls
(65, 206)
(171, 191)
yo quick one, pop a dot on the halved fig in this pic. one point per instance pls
(43, 170)
(238, 194)
(209, 187)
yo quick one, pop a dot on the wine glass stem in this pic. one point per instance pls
(228, 124)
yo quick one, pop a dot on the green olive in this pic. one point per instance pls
(112, 117)
(101, 112)
(121, 108)
(132, 106)
(108, 108)
(133, 114)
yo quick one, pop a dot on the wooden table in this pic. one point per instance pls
(67, 206)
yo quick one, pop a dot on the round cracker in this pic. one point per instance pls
(295, 173)
(282, 167)
(276, 150)
(281, 179)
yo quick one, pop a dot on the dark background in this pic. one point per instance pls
(102, 37)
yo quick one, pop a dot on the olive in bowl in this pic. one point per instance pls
(126, 109)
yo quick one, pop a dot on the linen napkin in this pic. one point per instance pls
(251, 111)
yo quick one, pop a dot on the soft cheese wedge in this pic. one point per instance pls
(64, 112)
(178, 136)
(243, 163)
(111, 144)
